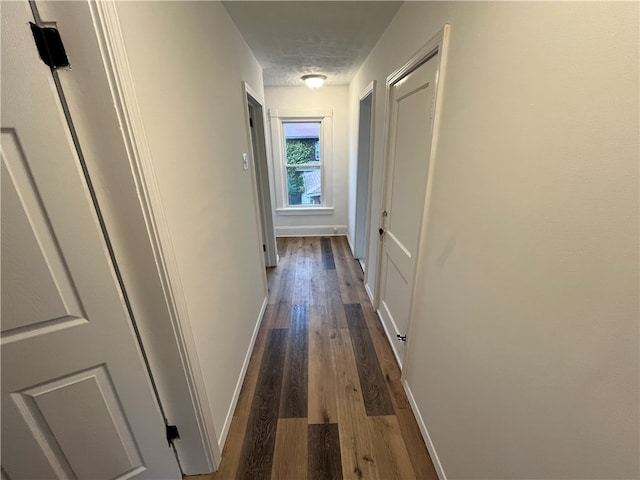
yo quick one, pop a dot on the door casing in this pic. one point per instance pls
(96, 47)
(437, 45)
(364, 174)
(261, 175)
(439, 41)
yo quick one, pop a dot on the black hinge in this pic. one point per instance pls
(402, 338)
(264, 247)
(251, 122)
(172, 434)
(50, 46)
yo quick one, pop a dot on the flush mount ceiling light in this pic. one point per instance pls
(314, 80)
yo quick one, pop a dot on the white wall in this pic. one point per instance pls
(188, 61)
(334, 97)
(524, 348)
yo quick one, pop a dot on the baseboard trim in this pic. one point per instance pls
(312, 231)
(243, 372)
(353, 250)
(425, 433)
(369, 293)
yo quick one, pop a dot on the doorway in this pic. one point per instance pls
(412, 93)
(363, 175)
(261, 172)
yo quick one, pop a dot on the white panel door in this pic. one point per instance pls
(411, 111)
(77, 401)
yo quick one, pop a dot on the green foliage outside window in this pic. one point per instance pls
(298, 151)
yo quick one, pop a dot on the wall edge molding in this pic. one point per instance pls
(367, 289)
(241, 377)
(116, 64)
(425, 433)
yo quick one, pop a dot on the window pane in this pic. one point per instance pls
(303, 186)
(302, 140)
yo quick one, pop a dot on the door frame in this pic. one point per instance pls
(261, 177)
(369, 91)
(125, 116)
(437, 45)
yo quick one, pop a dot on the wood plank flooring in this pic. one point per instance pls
(322, 397)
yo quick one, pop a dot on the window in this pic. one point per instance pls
(302, 157)
(302, 162)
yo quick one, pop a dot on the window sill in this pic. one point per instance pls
(305, 211)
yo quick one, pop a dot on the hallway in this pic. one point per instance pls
(322, 397)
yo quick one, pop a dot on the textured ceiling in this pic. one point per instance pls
(290, 39)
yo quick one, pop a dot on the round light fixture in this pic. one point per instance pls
(314, 80)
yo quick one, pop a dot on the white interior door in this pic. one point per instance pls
(411, 112)
(77, 401)
(261, 172)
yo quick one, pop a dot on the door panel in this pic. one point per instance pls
(407, 169)
(409, 172)
(31, 259)
(51, 412)
(397, 298)
(76, 399)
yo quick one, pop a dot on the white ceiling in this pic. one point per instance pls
(291, 39)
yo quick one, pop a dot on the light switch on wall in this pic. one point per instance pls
(245, 161)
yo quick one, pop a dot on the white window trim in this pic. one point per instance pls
(279, 116)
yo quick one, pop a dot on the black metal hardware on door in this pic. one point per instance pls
(381, 231)
(50, 46)
(172, 434)
(402, 338)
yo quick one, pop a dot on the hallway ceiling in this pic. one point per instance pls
(291, 39)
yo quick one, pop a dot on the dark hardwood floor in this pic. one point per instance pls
(322, 397)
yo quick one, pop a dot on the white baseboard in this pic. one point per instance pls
(369, 293)
(243, 372)
(311, 231)
(353, 250)
(425, 433)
